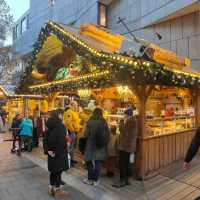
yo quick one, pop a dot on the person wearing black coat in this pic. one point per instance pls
(56, 149)
(17, 120)
(193, 149)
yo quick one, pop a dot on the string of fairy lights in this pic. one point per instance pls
(119, 68)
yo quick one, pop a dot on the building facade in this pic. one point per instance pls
(177, 22)
(27, 28)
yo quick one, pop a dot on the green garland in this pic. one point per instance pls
(123, 68)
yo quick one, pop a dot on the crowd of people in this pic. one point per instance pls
(99, 143)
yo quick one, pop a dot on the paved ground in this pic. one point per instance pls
(26, 178)
(21, 179)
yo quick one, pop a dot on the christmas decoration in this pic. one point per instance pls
(111, 68)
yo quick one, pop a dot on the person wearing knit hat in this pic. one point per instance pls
(127, 146)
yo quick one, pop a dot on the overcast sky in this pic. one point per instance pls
(18, 7)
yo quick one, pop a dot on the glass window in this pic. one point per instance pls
(169, 110)
(17, 31)
(27, 24)
(14, 33)
(24, 25)
(102, 15)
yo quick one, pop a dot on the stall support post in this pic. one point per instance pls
(63, 103)
(142, 93)
(51, 100)
(197, 108)
(39, 107)
(25, 106)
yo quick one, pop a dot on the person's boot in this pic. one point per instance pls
(12, 150)
(51, 190)
(60, 193)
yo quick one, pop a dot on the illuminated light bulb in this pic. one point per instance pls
(114, 57)
(135, 63)
(144, 63)
(130, 62)
(126, 61)
(118, 58)
(148, 64)
(122, 59)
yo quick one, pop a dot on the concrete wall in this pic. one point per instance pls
(181, 34)
(141, 13)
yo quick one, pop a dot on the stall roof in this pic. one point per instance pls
(115, 67)
(8, 92)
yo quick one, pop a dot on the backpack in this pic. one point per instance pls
(100, 136)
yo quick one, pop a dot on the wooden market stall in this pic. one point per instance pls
(19, 103)
(27, 103)
(96, 61)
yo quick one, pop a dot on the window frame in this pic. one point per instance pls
(24, 23)
(99, 14)
(17, 30)
(14, 32)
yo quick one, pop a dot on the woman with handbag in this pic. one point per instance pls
(56, 145)
(97, 133)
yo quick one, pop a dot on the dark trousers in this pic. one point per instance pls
(27, 141)
(124, 160)
(73, 137)
(15, 139)
(94, 170)
(55, 178)
(35, 138)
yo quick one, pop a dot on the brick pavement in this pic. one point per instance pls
(21, 179)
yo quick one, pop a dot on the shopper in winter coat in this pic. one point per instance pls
(56, 148)
(26, 134)
(111, 163)
(97, 133)
(193, 149)
(127, 145)
(15, 130)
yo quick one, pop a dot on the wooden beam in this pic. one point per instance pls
(142, 92)
(51, 100)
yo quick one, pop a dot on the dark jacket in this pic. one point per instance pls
(91, 151)
(15, 125)
(56, 142)
(128, 135)
(194, 146)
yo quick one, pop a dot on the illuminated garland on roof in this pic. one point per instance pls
(123, 68)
